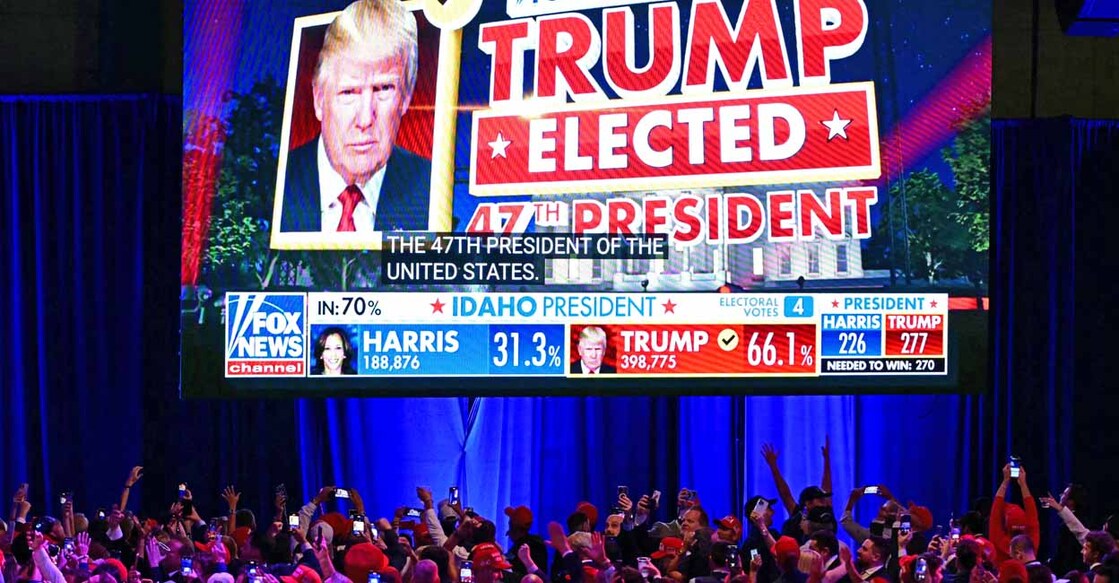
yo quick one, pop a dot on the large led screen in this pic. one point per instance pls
(501, 197)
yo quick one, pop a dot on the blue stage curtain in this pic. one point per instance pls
(79, 175)
(1054, 325)
(551, 453)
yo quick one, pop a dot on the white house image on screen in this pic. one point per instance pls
(823, 263)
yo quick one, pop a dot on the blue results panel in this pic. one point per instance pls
(852, 334)
(443, 350)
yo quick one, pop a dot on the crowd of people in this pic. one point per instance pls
(330, 539)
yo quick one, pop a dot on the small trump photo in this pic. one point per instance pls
(591, 345)
(358, 135)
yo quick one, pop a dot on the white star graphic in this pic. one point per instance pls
(498, 146)
(837, 126)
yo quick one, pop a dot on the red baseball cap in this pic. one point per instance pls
(785, 545)
(519, 516)
(668, 542)
(488, 555)
(590, 511)
(362, 559)
(122, 571)
(730, 522)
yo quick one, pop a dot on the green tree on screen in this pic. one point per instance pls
(970, 160)
(932, 232)
(238, 251)
(936, 243)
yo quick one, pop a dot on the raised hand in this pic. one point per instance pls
(153, 552)
(1051, 502)
(219, 552)
(1022, 476)
(625, 503)
(81, 544)
(19, 501)
(134, 476)
(597, 550)
(558, 538)
(322, 553)
(770, 454)
(326, 493)
(1006, 474)
(524, 553)
(407, 546)
(643, 504)
(231, 497)
(21, 494)
(904, 538)
(355, 498)
(298, 534)
(424, 494)
(826, 449)
(935, 544)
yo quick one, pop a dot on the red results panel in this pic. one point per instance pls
(780, 349)
(679, 349)
(915, 334)
(716, 349)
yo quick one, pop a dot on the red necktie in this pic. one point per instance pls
(350, 199)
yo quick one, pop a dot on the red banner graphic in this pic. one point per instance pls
(767, 137)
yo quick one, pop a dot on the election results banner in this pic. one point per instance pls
(372, 149)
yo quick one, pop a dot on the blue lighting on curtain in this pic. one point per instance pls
(75, 173)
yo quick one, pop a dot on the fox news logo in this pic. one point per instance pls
(264, 335)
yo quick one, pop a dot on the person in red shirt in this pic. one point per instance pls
(1010, 520)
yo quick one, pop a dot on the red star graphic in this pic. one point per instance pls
(669, 307)
(932, 304)
(437, 306)
(835, 303)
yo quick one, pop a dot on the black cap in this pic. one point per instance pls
(812, 493)
(753, 501)
(45, 524)
(821, 515)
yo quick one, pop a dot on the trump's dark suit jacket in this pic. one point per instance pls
(403, 203)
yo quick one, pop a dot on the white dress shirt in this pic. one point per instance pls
(331, 186)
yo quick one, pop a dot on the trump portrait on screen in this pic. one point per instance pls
(354, 178)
